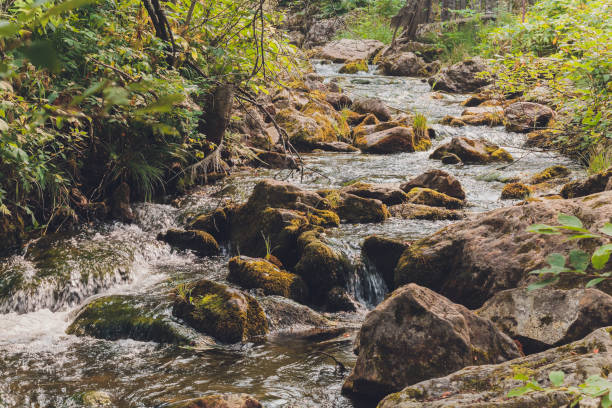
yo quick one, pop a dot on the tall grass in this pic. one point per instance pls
(600, 159)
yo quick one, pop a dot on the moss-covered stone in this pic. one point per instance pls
(410, 211)
(251, 273)
(227, 314)
(353, 67)
(427, 196)
(339, 301)
(549, 173)
(95, 399)
(354, 209)
(201, 242)
(472, 151)
(126, 317)
(215, 223)
(515, 191)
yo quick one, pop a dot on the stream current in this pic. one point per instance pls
(41, 366)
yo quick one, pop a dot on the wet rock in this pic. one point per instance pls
(374, 106)
(357, 210)
(219, 401)
(411, 211)
(438, 180)
(340, 301)
(215, 223)
(201, 242)
(394, 140)
(96, 399)
(547, 317)
(515, 191)
(383, 253)
(450, 158)
(473, 100)
(550, 173)
(340, 147)
(285, 315)
(387, 194)
(273, 160)
(349, 50)
(488, 386)
(127, 317)
(432, 198)
(452, 121)
(461, 77)
(252, 273)
(591, 185)
(121, 209)
(472, 260)
(320, 266)
(406, 64)
(416, 334)
(338, 100)
(527, 116)
(215, 309)
(353, 67)
(472, 151)
(483, 116)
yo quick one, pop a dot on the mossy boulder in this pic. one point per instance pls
(338, 300)
(590, 185)
(312, 126)
(215, 223)
(95, 399)
(452, 121)
(251, 273)
(198, 241)
(395, 140)
(374, 106)
(219, 401)
(472, 151)
(433, 198)
(127, 317)
(438, 180)
(388, 194)
(410, 211)
(406, 64)
(516, 191)
(550, 173)
(358, 210)
(353, 67)
(383, 253)
(227, 314)
(461, 77)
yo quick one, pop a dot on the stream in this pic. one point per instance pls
(41, 366)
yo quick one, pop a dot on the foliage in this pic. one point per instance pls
(595, 387)
(600, 159)
(579, 260)
(371, 20)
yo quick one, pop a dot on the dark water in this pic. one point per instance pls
(41, 366)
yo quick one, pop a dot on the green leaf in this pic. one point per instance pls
(581, 236)
(594, 282)
(543, 229)
(556, 260)
(517, 392)
(43, 54)
(556, 378)
(601, 255)
(606, 402)
(569, 221)
(607, 229)
(579, 259)
(7, 29)
(66, 6)
(162, 105)
(542, 284)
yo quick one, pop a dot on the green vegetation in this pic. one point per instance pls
(579, 260)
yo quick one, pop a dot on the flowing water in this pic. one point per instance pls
(41, 366)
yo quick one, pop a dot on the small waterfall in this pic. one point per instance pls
(366, 284)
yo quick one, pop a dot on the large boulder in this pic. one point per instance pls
(227, 314)
(383, 253)
(359, 210)
(488, 386)
(472, 151)
(287, 316)
(527, 116)
(415, 335)
(593, 184)
(461, 77)
(406, 64)
(472, 260)
(219, 401)
(438, 180)
(389, 195)
(252, 273)
(201, 242)
(548, 317)
(374, 106)
(395, 140)
(349, 50)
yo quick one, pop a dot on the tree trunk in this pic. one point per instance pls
(218, 111)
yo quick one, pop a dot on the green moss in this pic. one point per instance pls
(352, 67)
(427, 196)
(550, 173)
(515, 191)
(501, 155)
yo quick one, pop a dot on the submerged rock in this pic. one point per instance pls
(383, 253)
(201, 242)
(349, 50)
(472, 260)
(527, 116)
(251, 273)
(461, 77)
(487, 386)
(127, 317)
(285, 315)
(438, 180)
(547, 317)
(416, 334)
(472, 151)
(432, 198)
(219, 401)
(215, 309)
(594, 184)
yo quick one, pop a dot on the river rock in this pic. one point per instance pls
(594, 184)
(438, 180)
(358, 210)
(394, 140)
(349, 50)
(432, 198)
(285, 315)
(372, 105)
(338, 100)
(215, 309)
(273, 160)
(472, 151)
(472, 260)
(321, 31)
(410, 211)
(219, 401)
(127, 317)
(96, 399)
(203, 243)
(515, 191)
(527, 116)
(553, 172)
(215, 223)
(383, 253)
(415, 335)
(120, 208)
(353, 67)
(406, 64)
(548, 317)
(338, 300)
(461, 77)
(487, 386)
(389, 195)
(251, 273)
